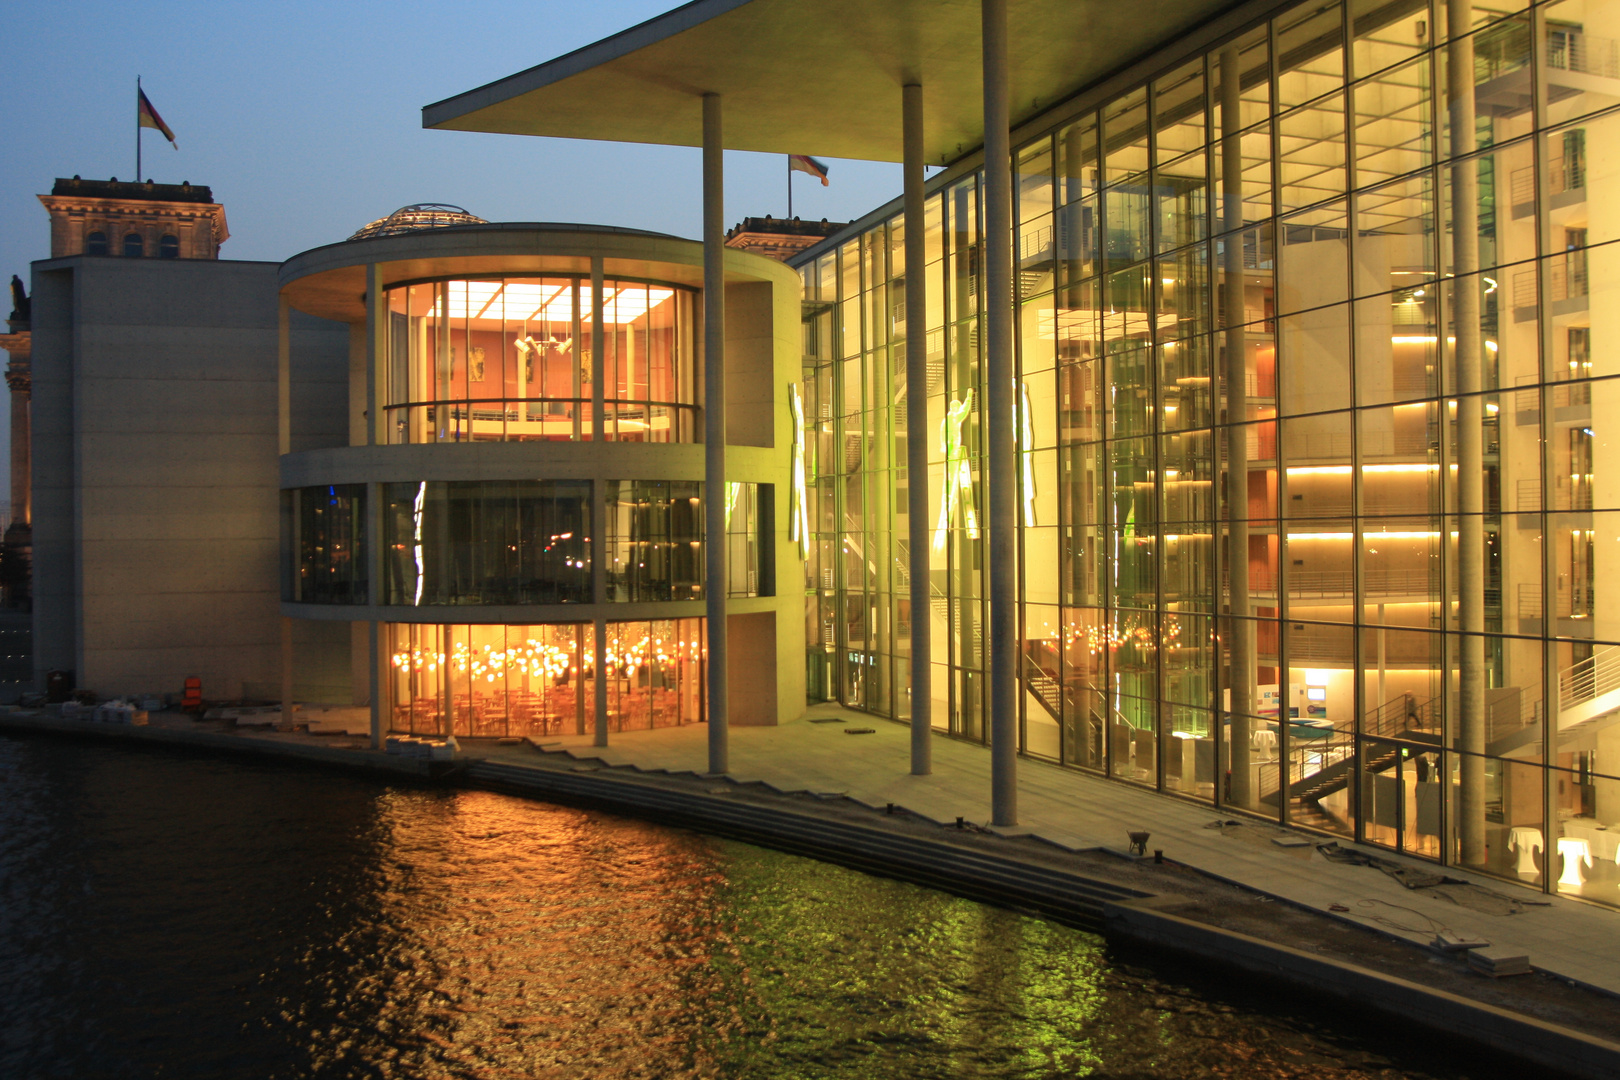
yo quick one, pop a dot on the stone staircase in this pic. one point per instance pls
(964, 868)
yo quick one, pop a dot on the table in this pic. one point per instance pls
(1527, 841)
(1265, 739)
(1603, 843)
(1574, 852)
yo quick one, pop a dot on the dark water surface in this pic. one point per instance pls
(165, 915)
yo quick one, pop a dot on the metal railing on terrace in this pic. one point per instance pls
(1571, 603)
(1591, 678)
(538, 419)
(1588, 54)
(1566, 280)
(1561, 177)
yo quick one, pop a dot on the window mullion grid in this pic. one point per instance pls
(1279, 369)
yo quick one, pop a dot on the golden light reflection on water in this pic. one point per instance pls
(184, 916)
(519, 939)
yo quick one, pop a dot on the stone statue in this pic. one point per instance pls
(20, 304)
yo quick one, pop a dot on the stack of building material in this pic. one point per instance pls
(118, 712)
(1497, 962)
(334, 719)
(425, 749)
(247, 715)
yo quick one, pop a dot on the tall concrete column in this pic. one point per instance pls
(599, 720)
(283, 378)
(922, 713)
(284, 446)
(376, 350)
(381, 715)
(1468, 356)
(599, 553)
(714, 429)
(999, 404)
(374, 657)
(1240, 631)
(19, 379)
(376, 355)
(598, 353)
(580, 354)
(286, 673)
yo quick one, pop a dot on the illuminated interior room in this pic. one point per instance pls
(514, 542)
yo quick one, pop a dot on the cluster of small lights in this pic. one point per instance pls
(1097, 639)
(539, 660)
(533, 658)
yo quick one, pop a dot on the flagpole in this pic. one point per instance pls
(137, 129)
(790, 187)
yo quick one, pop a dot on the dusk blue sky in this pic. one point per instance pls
(305, 118)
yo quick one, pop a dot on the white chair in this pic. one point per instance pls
(1574, 852)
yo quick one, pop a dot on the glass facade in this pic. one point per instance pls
(511, 359)
(330, 545)
(654, 537)
(482, 542)
(487, 542)
(1312, 354)
(479, 680)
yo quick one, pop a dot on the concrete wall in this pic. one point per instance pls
(321, 662)
(750, 374)
(55, 562)
(320, 382)
(162, 514)
(751, 639)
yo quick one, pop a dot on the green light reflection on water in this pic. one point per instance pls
(833, 972)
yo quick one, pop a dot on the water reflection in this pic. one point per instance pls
(163, 915)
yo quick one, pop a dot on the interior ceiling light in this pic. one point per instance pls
(525, 301)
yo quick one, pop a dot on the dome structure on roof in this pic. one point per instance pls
(418, 216)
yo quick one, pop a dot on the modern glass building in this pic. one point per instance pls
(515, 538)
(1264, 347)
(1313, 518)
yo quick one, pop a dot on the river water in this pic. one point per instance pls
(170, 915)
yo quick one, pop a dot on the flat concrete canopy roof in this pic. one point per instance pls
(822, 77)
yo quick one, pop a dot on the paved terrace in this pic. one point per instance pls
(1570, 938)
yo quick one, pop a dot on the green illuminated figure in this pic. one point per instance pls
(958, 473)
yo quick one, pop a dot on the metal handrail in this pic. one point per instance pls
(1396, 716)
(1590, 678)
(537, 400)
(466, 412)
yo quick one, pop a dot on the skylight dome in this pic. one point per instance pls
(418, 216)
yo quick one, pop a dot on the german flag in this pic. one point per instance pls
(148, 117)
(805, 164)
